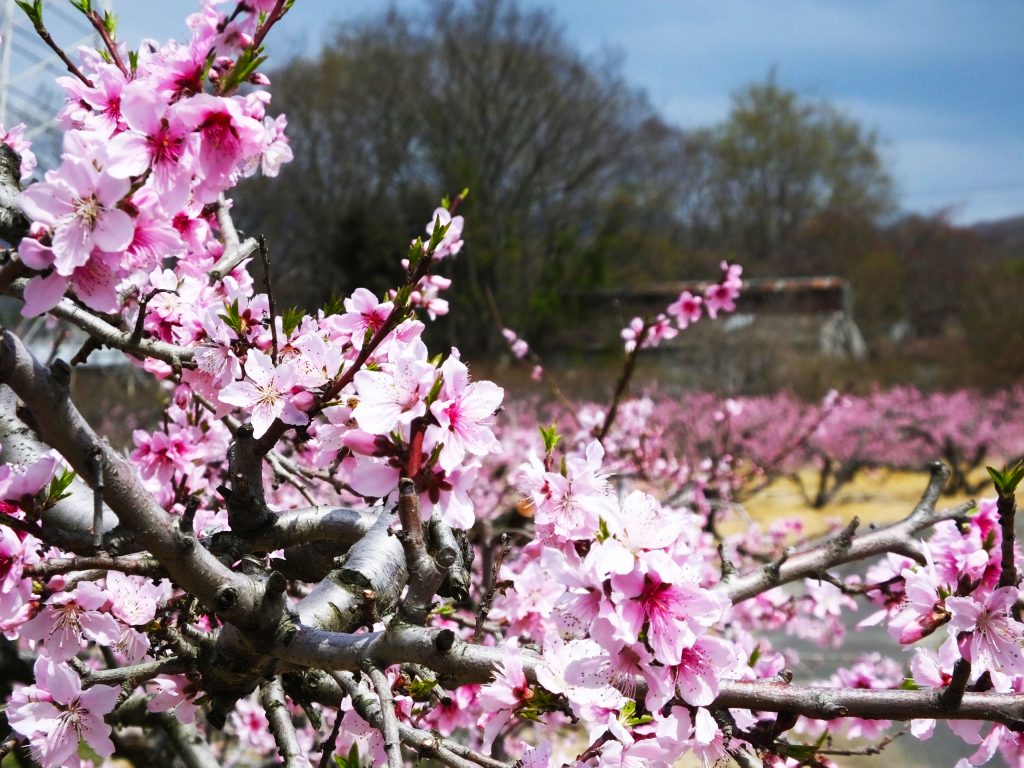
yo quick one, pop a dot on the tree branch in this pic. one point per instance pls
(112, 336)
(192, 566)
(898, 537)
(281, 726)
(388, 720)
(235, 252)
(425, 573)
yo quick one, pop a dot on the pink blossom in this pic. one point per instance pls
(15, 139)
(71, 618)
(363, 315)
(175, 693)
(267, 393)
(995, 638)
(451, 243)
(393, 397)
(78, 203)
(56, 714)
(228, 137)
(158, 140)
(721, 297)
(686, 309)
(462, 410)
(503, 696)
(675, 614)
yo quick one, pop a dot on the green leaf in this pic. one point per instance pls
(233, 318)
(754, 655)
(909, 684)
(334, 306)
(352, 761)
(603, 534)
(33, 10)
(85, 6)
(58, 488)
(799, 751)
(551, 437)
(415, 253)
(421, 689)
(291, 319)
(438, 234)
(435, 390)
(246, 63)
(110, 22)
(1007, 480)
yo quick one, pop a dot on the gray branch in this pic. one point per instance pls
(425, 573)
(59, 424)
(848, 548)
(281, 726)
(235, 252)
(13, 224)
(388, 720)
(110, 335)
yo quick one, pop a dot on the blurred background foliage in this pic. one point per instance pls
(579, 186)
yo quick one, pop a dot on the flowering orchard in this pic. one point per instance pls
(324, 554)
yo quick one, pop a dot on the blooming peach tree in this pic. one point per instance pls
(333, 549)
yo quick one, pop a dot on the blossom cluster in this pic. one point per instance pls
(687, 310)
(609, 599)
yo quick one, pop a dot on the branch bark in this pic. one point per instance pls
(281, 726)
(898, 537)
(45, 393)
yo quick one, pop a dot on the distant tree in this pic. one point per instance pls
(781, 163)
(486, 96)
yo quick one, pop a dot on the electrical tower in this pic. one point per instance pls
(28, 66)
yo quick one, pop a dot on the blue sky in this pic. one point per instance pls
(942, 81)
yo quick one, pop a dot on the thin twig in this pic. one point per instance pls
(265, 258)
(108, 41)
(48, 39)
(623, 384)
(332, 741)
(485, 603)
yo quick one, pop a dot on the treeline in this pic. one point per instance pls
(577, 184)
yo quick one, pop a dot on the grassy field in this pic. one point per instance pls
(877, 496)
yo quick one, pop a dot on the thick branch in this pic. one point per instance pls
(898, 537)
(13, 224)
(301, 526)
(425, 575)
(60, 425)
(370, 582)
